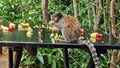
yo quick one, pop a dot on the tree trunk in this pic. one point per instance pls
(89, 20)
(75, 5)
(118, 55)
(45, 10)
(89, 16)
(113, 29)
(105, 21)
(96, 10)
(44, 4)
(112, 18)
(113, 59)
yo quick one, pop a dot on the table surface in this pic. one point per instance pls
(19, 38)
(19, 35)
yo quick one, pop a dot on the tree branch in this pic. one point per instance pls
(75, 5)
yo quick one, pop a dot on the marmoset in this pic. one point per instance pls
(70, 29)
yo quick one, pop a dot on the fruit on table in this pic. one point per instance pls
(29, 29)
(52, 28)
(56, 36)
(29, 34)
(98, 37)
(23, 26)
(10, 29)
(5, 29)
(95, 37)
(53, 40)
(1, 27)
(51, 35)
(12, 25)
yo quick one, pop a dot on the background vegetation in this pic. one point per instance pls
(97, 15)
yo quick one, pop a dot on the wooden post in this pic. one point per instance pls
(113, 31)
(66, 58)
(0, 49)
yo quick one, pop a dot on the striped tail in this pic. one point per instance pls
(93, 52)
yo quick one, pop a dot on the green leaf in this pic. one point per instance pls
(49, 59)
(54, 64)
(40, 57)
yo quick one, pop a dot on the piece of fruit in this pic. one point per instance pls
(10, 29)
(93, 40)
(51, 35)
(52, 40)
(29, 34)
(5, 29)
(23, 26)
(95, 37)
(52, 28)
(98, 37)
(29, 29)
(11, 25)
(81, 31)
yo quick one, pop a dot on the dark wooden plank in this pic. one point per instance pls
(17, 58)
(48, 45)
(66, 58)
(0, 49)
(60, 45)
(10, 58)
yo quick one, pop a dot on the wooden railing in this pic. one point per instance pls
(18, 47)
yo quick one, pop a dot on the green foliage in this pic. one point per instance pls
(20, 11)
(47, 58)
(59, 6)
(30, 11)
(104, 61)
(78, 58)
(30, 59)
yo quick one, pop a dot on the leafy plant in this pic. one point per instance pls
(20, 11)
(30, 11)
